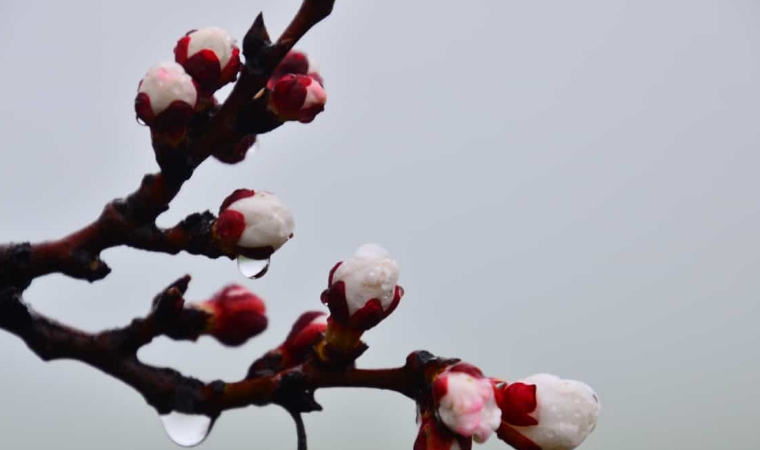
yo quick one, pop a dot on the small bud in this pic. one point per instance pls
(236, 315)
(297, 63)
(362, 289)
(465, 402)
(237, 152)
(210, 55)
(297, 97)
(434, 436)
(306, 332)
(545, 412)
(253, 223)
(166, 97)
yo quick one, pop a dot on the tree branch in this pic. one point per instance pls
(131, 221)
(115, 352)
(215, 130)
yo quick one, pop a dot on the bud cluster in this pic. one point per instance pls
(540, 412)
(168, 95)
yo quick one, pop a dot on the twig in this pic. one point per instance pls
(126, 221)
(115, 353)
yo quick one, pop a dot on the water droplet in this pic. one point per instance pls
(186, 430)
(252, 268)
(140, 121)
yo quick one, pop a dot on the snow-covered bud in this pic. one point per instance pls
(297, 97)
(545, 412)
(362, 289)
(166, 97)
(235, 315)
(306, 332)
(297, 63)
(434, 436)
(210, 55)
(466, 403)
(253, 223)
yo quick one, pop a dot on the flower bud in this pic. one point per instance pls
(297, 97)
(166, 97)
(545, 412)
(466, 403)
(253, 223)
(298, 63)
(434, 436)
(306, 332)
(210, 55)
(362, 289)
(236, 315)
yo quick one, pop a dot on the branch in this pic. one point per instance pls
(131, 220)
(115, 352)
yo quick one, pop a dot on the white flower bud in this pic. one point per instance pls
(165, 84)
(216, 39)
(369, 274)
(254, 220)
(566, 411)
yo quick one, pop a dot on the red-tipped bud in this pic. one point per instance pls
(236, 315)
(306, 332)
(166, 97)
(254, 223)
(297, 97)
(465, 402)
(362, 289)
(210, 55)
(434, 436)
(545, 412)
(297, 63)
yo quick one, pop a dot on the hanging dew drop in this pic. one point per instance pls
(252, 268)
(186, 430)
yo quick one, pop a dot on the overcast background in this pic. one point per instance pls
(569, 187)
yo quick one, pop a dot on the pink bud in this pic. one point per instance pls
(434, 436)
(166, 97)
(297, 97)
(545, 412)
(363, 290)
(210, 55)
(237, 315)
(256, 223)
(465, 402)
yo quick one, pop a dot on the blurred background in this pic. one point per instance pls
(568, 187)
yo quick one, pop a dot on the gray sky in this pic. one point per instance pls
(569, 187)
